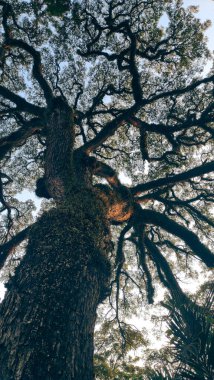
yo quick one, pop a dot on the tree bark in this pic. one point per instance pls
(48, 314)
(47, 317)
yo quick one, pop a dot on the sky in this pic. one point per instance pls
(206, 12)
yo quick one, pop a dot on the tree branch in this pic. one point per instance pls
(162, 264)
(107, 131)
(21, 103)
(179, 91)
(18, 137)
(103, 170)
(37, 66)
(195, 172)
(169, 225)
(7, 248)
(184, 204)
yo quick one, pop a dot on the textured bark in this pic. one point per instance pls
(48, 315)
(59, 171)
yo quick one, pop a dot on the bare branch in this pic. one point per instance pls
(140, 230)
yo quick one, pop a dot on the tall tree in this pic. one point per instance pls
(89, 90)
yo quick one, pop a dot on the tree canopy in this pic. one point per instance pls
(133, 74)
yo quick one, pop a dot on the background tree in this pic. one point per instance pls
(190, 352)
(90, 90)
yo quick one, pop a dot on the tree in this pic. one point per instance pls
(89, 90)
(187, 353)
(192, 339)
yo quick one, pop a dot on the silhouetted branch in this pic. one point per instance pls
(37, 66)
(180, 91)
(140, 230)
(184, 204)
(20, 136)
(169, 225)
(103, 170)
(7, 248)
(165, 273)
(22, 104)
(185, 176)
(107, 131)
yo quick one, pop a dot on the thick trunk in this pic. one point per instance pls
(48, 315)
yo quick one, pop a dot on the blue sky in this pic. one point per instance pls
(206, 12)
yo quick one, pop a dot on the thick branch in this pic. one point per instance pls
(119, 262)
(103, 170)
(109, 129)
(113, 125)
(58, 158)
(18, 137)
(179, 91)
(162, 264)
(195, 172)
(184, 204)
(21, 103)
(103, 135)
(136, 85)
(198, 248)
(37, 65)
(7, 248)
(166, 129)
(140, 230)
(37, 72)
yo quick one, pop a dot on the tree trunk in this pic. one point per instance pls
(48, 315)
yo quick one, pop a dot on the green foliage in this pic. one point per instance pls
(191, 333)
(57, 7)
(115, 360)
(188, 355)
(158, 375)
(87, 55)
